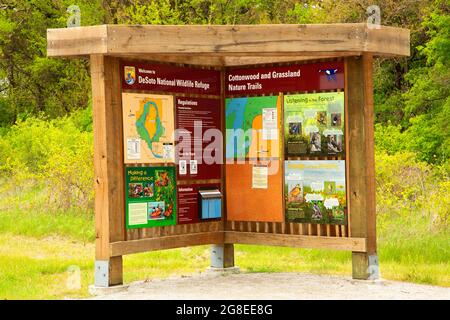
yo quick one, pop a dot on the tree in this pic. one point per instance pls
(32, 83)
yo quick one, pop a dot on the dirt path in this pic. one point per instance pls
(272, 286)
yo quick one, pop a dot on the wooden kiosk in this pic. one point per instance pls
(340, 58)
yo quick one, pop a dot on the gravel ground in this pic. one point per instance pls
(269, 286)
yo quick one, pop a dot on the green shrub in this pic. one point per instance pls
(51, 158)
(410, 189)
(388, 138)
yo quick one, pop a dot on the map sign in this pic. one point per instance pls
(150, 198)
(314, 124)
(148, 128)
(315, 191)
(252, 127)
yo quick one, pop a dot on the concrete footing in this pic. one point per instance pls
(223, 270)
(100, 291)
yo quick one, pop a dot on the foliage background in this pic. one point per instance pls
(46, 135)
(46, 148)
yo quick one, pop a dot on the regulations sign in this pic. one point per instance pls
(199, 143)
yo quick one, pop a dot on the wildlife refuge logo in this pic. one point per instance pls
(130, 75)
(330, 73)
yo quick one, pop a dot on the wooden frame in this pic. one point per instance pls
(219, 47)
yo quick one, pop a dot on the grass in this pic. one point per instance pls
(37, 269)
(71, 225)
(38, 250)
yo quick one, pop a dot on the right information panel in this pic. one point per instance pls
(286, 144)
(314, 128)
(314, 124)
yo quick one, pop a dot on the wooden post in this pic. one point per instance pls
(108, 168)
(222, 255)
(361, 175)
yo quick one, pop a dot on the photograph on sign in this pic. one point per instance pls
(148, 128)
(150, 198)
(252, 125)
(193, 167)
(315, 191)
(314, 124)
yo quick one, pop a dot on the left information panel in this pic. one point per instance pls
(158, 101)
(150, 196)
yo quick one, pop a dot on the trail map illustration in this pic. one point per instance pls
(148, 126)
(252, 127)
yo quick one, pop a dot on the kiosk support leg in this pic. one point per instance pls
(222, 256)
(108, 272)
(361, 163)
(108, 168)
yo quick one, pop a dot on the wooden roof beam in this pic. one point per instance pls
(229, 41)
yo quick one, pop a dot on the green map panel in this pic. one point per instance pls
(240, 114)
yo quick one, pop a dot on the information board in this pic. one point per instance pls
(148, 128)
(314, 124)
(187, 131)
(315, 191)
(199, 142)
(150, 199)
